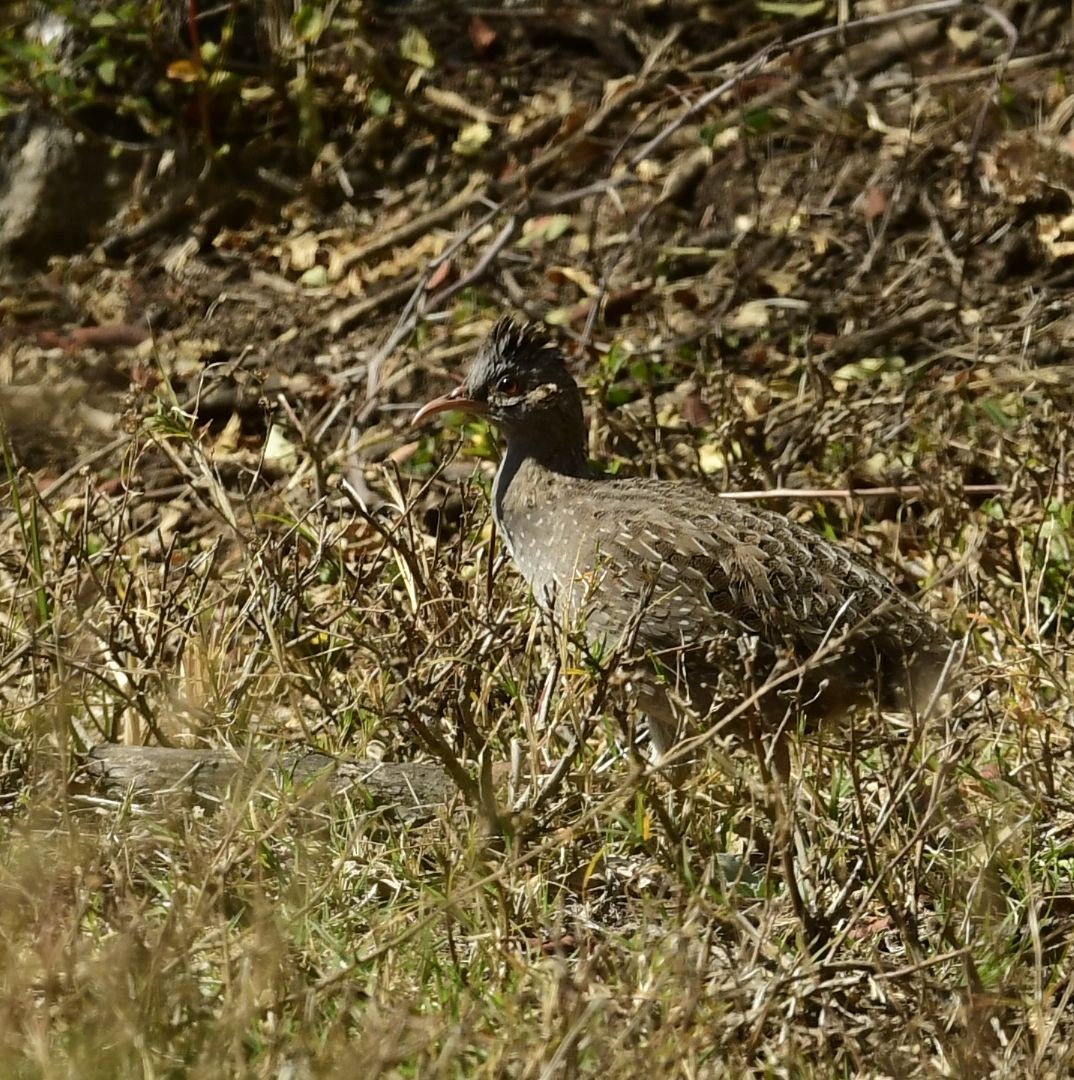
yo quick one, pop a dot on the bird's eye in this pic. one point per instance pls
(508, 386)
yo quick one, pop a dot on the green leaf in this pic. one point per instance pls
(106, 72)
(316, 277)
(471, 139)
(758, 121)
(616, 358)
(414, 46)
(559, 224)
(380, 102)
(103, 20)
(544, 229)
(309, 22)
(995, 412)
(869, 367)
(29, 52)
(257, 92)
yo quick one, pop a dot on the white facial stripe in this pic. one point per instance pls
(543, 392)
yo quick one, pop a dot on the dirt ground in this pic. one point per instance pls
(848, 274)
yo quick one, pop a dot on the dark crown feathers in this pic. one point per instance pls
(511, 338)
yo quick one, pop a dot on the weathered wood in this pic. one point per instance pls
(155, 773)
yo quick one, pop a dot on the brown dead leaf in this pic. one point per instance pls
(688, 298)
(402, 259)
(584, 153)
(753, 87)
(574, 120)
(873, 928)
(444, 274)
(227, 442)
(559, 945)
(622, 301)
(402, 454)
(185, 71)
(752, 315)
(569, 316)
(685, 173)
(1056, 235)
(876, 202)
(302, 251)
(963, 40)
(144, 377)
(559, 275)
(781, 282)
(694, 411)
(482, 36)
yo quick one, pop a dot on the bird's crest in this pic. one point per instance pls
(516, 339)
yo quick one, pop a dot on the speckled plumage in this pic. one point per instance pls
(705, 598)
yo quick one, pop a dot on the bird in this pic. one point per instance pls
(711, 607)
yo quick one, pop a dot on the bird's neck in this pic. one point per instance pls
(561, 451)
(526, 458)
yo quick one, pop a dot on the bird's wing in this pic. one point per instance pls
(698, 561)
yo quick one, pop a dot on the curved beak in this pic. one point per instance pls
(458, 400)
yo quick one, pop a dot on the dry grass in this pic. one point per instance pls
(902, 909)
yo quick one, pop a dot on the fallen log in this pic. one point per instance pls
(408, 790)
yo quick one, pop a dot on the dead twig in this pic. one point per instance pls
(910, 491)
(417, 226)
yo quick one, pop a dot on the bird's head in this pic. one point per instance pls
(519, 380)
